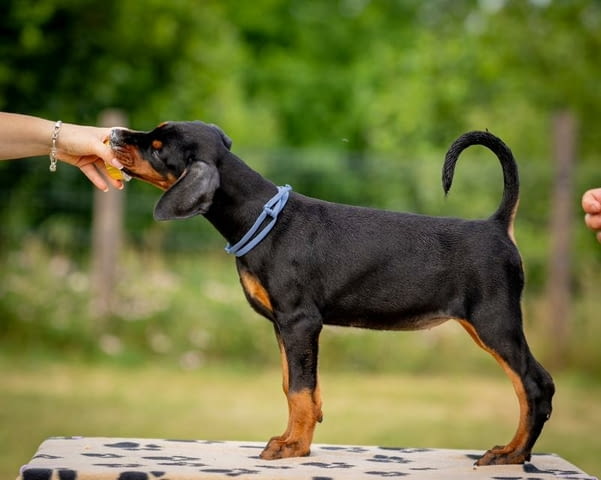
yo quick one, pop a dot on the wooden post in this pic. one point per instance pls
(107, 235)
(559, 283)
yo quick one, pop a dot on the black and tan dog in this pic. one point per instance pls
(305, 262)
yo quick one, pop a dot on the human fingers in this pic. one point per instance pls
(95, 169)
(76, 141)
(114, 182)
(92, 166)
(105, 152)
(593, 221)
(90, 171)
(591, 201)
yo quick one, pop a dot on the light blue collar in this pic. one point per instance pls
(271, 209)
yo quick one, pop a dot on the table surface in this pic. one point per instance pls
(98, 458)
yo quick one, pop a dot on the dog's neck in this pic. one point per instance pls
(240, 198)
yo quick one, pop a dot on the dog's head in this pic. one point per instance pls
(179, 157)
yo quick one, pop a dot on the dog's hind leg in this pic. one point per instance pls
(298, 341)
(506, 342)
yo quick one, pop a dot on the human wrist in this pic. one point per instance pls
(54, 145)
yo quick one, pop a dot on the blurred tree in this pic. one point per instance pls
(360, 83)
(329, 96)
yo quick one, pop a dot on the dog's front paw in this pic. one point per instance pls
(278, 447)
(503, 456)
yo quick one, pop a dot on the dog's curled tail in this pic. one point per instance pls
(511, 190)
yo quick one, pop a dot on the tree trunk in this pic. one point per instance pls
(107, 236)
(559, 284)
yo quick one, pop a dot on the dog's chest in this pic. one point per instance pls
(256, 293)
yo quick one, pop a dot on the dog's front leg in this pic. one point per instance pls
(298, 339)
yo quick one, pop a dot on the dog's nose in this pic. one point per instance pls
(116, 136)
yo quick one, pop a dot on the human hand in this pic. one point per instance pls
(84, 147)
(591, 204)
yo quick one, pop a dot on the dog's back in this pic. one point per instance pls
(398, 271)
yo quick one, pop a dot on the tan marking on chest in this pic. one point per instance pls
(255, 290)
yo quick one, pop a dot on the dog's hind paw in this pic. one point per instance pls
(280, 448)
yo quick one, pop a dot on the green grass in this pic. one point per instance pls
(474, 411)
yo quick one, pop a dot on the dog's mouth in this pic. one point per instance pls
(136, 166)
(114, 172)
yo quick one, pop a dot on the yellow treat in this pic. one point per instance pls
(114, 172)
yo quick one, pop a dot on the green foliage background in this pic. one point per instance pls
(349, 100)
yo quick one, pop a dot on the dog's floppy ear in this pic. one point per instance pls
(227, 141)
(191, 195)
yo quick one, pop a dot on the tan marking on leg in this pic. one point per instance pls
(286, 385)
(318, 402)
(304, 412)
(284, 365)
(255, 290)
(521, 435)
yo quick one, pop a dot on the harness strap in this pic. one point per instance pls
(271, 209)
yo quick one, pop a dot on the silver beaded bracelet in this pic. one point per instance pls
(57, 127)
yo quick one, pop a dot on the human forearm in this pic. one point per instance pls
(24, 136)
(82, 146)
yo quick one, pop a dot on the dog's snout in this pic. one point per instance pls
(117, 136)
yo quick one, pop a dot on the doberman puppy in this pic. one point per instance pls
(305, 262)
